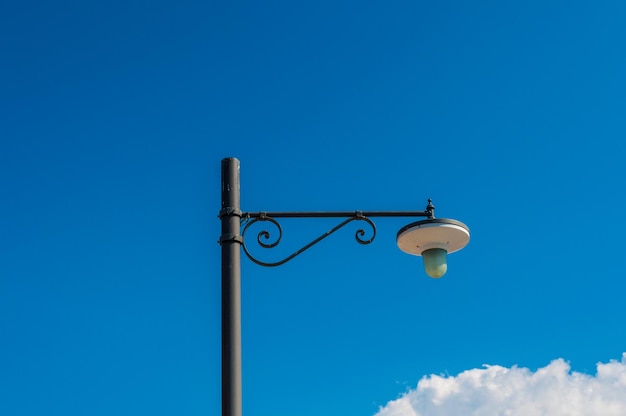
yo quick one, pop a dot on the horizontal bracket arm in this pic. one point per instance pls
(264, 237)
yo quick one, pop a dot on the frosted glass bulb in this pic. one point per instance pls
(435, 262)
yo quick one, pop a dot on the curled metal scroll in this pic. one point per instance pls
(264, 238)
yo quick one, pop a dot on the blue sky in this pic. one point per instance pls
(115, 116)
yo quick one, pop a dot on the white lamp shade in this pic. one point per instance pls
(433, 239)
(450, 235)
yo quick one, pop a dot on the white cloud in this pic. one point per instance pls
(499, 391)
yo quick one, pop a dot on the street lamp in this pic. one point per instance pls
(432, 238)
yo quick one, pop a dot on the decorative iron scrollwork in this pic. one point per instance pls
(264, 237)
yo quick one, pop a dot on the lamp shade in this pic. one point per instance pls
(433, 239)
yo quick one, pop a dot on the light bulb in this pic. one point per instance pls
(435, 262)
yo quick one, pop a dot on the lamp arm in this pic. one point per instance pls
(264, 236)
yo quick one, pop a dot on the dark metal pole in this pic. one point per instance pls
(230, 240)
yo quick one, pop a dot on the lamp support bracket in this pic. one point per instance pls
(264, 238)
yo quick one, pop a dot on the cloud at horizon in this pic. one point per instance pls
(494, 390)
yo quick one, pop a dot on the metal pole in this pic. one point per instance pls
(230, 240)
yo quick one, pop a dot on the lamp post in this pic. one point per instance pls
(432, 238)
